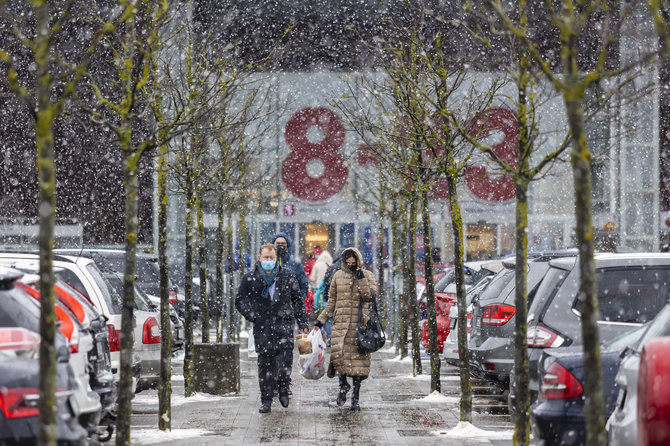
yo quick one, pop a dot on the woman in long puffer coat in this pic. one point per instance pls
(349, 290)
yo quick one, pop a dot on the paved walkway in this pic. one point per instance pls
(396, 410)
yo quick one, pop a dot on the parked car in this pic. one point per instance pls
(491, 346)
(82, 274)
(622, 424)
(450, 351)
(445, 299)
(147, 332)
(20, 371)
(80, 340)
(632, 289)
(101, 379)
(445, 286)
(558, 416)
(147, 274)
(653, 407)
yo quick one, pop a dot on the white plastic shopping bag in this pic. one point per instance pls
(251, 347)
(312, 365)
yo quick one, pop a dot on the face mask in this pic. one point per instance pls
(281, 250)
(268, 265)
(351, 268)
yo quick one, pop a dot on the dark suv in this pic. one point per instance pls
(491, 345)
(632, 289)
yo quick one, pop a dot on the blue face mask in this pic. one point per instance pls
(268, 265)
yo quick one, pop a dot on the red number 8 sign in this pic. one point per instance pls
(477, 178)
(314, 171)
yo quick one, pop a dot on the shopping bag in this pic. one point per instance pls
(251, 348)
(312, 365)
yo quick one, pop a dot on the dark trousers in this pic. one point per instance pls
(274, 366)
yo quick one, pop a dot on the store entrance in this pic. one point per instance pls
(480, 241)
(316, 234)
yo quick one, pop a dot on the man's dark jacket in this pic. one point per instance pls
(273, 319)
(287, 260)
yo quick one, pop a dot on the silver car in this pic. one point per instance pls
(622, 424)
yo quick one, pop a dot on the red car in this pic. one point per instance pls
(653, 395)
(443, 320)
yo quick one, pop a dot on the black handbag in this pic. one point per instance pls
(371, 337)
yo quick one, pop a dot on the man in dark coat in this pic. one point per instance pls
(269, 296)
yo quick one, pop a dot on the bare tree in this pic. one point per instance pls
(53, 84)
(572, 76)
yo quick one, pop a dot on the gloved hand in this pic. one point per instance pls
(359, 274)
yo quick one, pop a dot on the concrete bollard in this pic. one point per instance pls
(216, 368)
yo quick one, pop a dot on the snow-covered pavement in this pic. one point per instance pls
(397, 409)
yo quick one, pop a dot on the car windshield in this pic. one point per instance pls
(444, 281)
(631, 295)
(626, 339)
(116, 281)
(112, 299)
(499, 282)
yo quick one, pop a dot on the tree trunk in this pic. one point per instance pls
(165, 379)
(219, 265)
(46, 171)
(463, 355)
(521, 371)
(202, 266)
(243, 239)
(188, 289)
(127, 317)
(396, 268)
(411, 288)
(405, 296)
(381, 298)
(435, 385)
(581, 168)
(231, 292)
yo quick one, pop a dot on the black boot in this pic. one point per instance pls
(354, 395)
(344, 388)
(265, 406)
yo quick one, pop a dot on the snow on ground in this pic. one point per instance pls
(389, 349)
(178, 378)
(178, 400)
(155, 436)
(407, 359)
(466, 430)
(416, 378)
(437, 397)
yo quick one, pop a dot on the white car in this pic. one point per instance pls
(82, 274)
(622, 424)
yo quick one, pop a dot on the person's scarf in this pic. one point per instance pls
(268, 279)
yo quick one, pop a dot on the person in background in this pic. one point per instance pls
(269, 296)
(351, 289)
(328, 277)
(316, 279)
(311, 260)
(280, 240)
(237, 256)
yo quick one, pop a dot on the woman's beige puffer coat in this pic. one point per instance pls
(344, 298)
